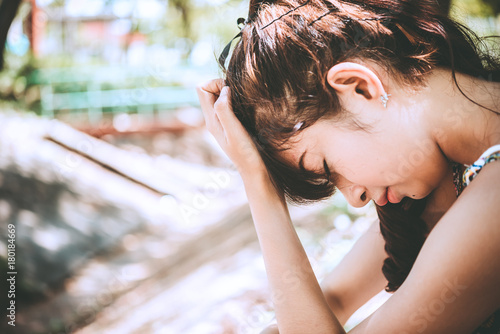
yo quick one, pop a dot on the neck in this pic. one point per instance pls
(462, 129)
(440, 200)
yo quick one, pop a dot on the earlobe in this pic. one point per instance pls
(352, 78)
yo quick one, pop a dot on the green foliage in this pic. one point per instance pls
(15, 86)
(481, 8)
(494, 5)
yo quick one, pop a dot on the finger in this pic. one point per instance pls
(216, 129)
(221, 106)
(213, 124)
(209, 92)
(213, 86)
(224, 112)
(206, 98)
(212, 120)
(208, 95)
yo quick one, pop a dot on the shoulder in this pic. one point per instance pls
(453, 285)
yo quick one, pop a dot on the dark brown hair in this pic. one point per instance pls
(277, 78)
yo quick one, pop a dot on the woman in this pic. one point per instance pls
(386, 101)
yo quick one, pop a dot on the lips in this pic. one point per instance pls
(391, 197)
(383, 199)
(387, 196)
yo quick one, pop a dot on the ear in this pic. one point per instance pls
(352, 78)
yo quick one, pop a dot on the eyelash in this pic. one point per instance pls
(327, 170)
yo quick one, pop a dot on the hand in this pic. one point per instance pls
(227, 129)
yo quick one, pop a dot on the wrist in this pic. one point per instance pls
(254, 176)
(259, 182)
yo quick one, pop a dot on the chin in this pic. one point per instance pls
(418, 196)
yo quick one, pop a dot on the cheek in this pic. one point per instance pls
(367, 171)
(380, 158)
(349, 153)
(369, 166)
(434, 173)
(419, 180)
(404, 166)
(404, 162)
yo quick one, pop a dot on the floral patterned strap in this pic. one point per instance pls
(492, 154)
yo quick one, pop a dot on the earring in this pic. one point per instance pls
(297, 126)
(384, 98)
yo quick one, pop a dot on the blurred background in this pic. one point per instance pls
(129, 218)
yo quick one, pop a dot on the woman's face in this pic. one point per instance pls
(391, 158)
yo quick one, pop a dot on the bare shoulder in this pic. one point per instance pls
(453, 285)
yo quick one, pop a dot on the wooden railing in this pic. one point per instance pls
(99, 91)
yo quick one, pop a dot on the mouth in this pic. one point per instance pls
(382, 199)
(391, 197)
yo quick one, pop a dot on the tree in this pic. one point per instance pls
(495, 6)
(8, 11)
(184, 7)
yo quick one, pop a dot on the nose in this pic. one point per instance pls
(355, 195)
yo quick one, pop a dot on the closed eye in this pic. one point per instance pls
(327, 170)
(331, 175)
